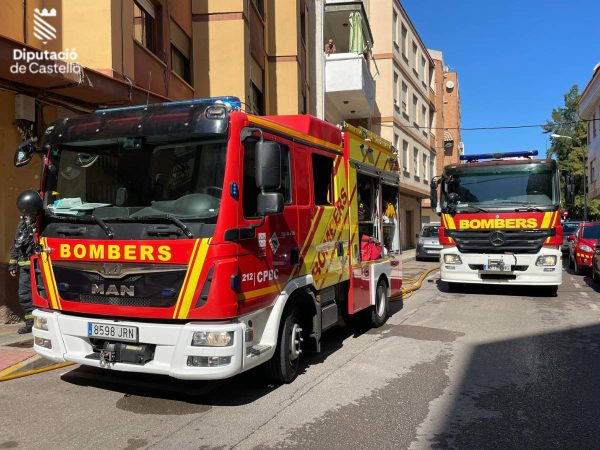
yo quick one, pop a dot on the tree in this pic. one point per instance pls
(569, 153)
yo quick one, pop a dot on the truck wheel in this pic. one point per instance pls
(283, 366)
(576, 267)
(379, 312)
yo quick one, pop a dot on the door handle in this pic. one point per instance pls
(294, 256)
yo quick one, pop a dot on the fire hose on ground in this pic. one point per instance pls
(416, 284)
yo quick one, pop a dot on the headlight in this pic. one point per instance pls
(41, 323)
(212, 338)
(586, 248)
(452, 259)
(547, 260)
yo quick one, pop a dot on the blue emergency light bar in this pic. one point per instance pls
(521, 154)
(230, 102)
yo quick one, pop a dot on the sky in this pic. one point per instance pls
(515, 60)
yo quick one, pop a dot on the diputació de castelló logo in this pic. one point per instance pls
(45, 28)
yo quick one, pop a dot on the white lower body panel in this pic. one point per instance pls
(532, 276)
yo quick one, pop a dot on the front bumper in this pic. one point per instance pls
(68, 335)
(470, 271)
(426, 251)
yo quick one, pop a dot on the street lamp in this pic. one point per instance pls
(583, 160)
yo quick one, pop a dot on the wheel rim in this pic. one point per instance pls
(295, 342)
(380, 307)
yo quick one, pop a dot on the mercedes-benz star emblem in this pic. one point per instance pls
(497, 238)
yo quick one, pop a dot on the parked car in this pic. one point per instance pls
(582, 246)
(569, 228)
(596, 263)
(428, 245)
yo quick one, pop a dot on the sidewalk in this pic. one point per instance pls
(16, 354)
(15, 350)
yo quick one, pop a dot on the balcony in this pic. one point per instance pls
(349, 87)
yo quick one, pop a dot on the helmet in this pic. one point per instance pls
(30, 203)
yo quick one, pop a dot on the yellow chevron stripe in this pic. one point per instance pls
(450, 222)
(546, 221)
(52, 291)
(185, 280)
(259, 292)
(194, 277)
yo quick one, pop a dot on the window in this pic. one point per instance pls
(180, 52)
(323, 186)
(594, 119)
(416, 161)
(260, 7)
(257, 99)
(423, 69)
(396, 103)
(144, 24)
(425, 167)
(395, 29)
(415, 57)
(589, 132)
(303, 26)
(405, 156)
(250, 191)
(396, 141)
(424, 117)
(431, 168)
(404, 98)
(414, 109)
(404, 42)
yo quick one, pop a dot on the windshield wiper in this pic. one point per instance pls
(460, 209)
(103, 225)
(529, 209)
(170, 218)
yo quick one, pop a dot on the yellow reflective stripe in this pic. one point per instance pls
(23, 263)
(52, 292)
(194, 277)
(186, 279)
(450, 222)
(546, 221)
(259, 292)
(12, 261)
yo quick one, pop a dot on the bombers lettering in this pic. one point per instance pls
(127, 252)
(476, 224)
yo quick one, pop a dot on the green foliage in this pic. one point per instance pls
(570, 153)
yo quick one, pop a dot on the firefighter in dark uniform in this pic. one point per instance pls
(20, 254)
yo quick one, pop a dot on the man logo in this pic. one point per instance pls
(42, 29)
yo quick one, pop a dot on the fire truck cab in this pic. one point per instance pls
(193, 240)
(501, 220)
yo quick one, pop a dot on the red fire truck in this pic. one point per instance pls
(194, 240)
(501, 220)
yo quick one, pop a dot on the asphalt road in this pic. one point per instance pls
(484, 368)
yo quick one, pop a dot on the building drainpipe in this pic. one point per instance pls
(320, 59)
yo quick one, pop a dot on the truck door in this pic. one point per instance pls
(268, 261)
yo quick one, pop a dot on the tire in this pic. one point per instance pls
(594, 276)
(571, 266)
(576, 267)
(550, 291)
(283, 366)
(378, 314)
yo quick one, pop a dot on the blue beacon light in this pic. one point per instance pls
(480, 156)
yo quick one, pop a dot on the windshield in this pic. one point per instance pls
(113, 181)
(569, 228)
(592, 232)
(515, 185)
(430, 232)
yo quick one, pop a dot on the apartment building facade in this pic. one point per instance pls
(589, 109)
(447, 138)
(405, 108)
(260, 51)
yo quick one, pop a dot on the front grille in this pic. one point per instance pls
(515, 241)
(518, 268)
(158, 288)
(125, 301)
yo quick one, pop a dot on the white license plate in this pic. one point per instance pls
(112, 332)
(497, 268)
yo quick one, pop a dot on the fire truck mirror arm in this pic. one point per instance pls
(25, 151)
(433, 192)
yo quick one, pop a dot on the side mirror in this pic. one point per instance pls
(30, 203)
(268, 165)
(571, 238)
(433, 194)
(269, 203)
(24, 152)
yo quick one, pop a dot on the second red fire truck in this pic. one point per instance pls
(193, 240)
